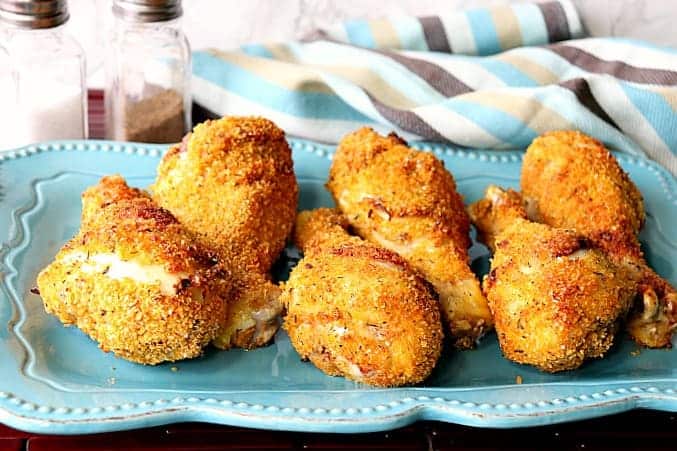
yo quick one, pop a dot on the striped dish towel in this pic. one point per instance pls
(488, 78)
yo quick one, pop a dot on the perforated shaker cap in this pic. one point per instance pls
(34, 13)
(147, 10)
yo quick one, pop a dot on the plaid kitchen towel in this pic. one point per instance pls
(488, 78)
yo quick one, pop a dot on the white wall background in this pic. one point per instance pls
(229, 23)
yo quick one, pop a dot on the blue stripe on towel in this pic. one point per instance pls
(655, 109)
(531, 23)
(565, 103)
(235, 79)
(500, 124)
(256, 50)
(410, 33)
(482, 26)
(507, 72)
(359, 33)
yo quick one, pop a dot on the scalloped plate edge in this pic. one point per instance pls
(25, 415)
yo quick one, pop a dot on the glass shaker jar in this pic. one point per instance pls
(147, 73)
(43, 92)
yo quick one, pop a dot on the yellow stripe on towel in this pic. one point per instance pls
(385, 35)
(507, 27)
(537, 72)
(291, 76)
(533, 113)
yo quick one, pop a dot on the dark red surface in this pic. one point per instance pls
(95, 116)
(638, 430)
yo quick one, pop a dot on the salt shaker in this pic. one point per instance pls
(147, 73)
(42, 74)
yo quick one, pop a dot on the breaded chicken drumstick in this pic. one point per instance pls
(406, 201)
(133, 281)
(555, 302)
(357, 310)
(231, 183)
(570, 180)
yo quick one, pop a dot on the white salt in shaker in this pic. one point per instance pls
(42, 75)
(147, 73)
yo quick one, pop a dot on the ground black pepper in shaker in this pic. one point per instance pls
(147, 73)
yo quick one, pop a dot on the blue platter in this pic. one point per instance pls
(55, 379)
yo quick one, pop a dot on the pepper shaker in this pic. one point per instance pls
(147, 73)
(42, 74)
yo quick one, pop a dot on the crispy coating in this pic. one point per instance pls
(406, 201)
(133, 281)
(493, 214)
(320, 226)
(357, 310)
(570, 180)
(231, 183)
(555, 301)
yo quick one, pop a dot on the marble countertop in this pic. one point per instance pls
(230, 23)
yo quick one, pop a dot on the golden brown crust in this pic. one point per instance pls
(570, 180)
(121, 219)
(496, 211)
(359, 311)
(318, 226)
(231, 183)
(577, 184)
(555, 301)
(137, 320)
(110, 189)
(396, 181)
(406, 201)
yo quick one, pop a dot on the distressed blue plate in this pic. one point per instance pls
(55, 380)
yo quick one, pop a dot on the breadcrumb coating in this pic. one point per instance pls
(231, 183)
(317, 227)
(406, 201)
(555, 301)
(571, 180)
(357, 310)
(133, 280)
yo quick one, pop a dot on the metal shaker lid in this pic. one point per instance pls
(34, 13)
(147, 10)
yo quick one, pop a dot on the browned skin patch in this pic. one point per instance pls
(136, 320)
(406, 201)
(572, 181)
(555, 302)
(357, 310)
(494, 213)
(231, 183)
